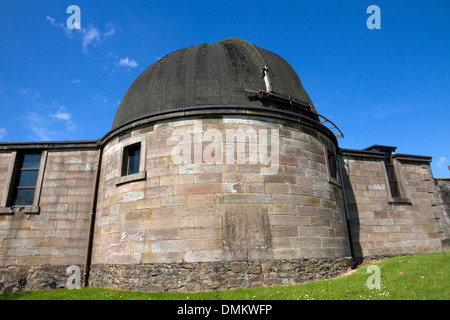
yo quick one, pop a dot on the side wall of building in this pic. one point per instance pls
(444, 191)
(383, 225)
(37, 247)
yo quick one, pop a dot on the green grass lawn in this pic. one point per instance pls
(421, 277)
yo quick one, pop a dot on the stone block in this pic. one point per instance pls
(287, 199)
(277, 188)
(200, 199)
(198, 188)
(196, 210)
(177, 179)
(133, 236)
(313, 232)
(203, 256)
(200, 233)
(177, 245)
(169, 201)
(133, 196)
(163, 234)
(284, 231)
(148, 203)
(288, 220)
(306, 243)
(284, 209)
(233, 187)
(207, 221)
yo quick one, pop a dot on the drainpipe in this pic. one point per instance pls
(87, 263)
(347, 218)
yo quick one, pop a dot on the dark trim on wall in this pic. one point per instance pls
(220, 111)
(48, 145)
(90, 237)
(347, 217)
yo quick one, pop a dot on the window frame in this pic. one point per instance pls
(12, 179)
(126, 161)
(402, 197)
(335, 180)
(125, 146)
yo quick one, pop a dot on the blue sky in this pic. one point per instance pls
(383, 86)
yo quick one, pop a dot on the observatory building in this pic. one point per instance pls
(218, 172)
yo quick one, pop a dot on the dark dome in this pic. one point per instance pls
(232, 72)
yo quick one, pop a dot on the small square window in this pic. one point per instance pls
(131, 159)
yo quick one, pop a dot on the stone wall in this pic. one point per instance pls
(443, 184)
(381, 225)
(444, 187)
(200, 212)
(208, 276)
(57, 233)
(31, 278)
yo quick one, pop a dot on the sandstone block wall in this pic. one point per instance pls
(36, 248)
(443, 184)
(444, 187)
(379, 224)
(200, 212)
(56, 236)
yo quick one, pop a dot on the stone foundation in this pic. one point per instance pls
(31, 278)
(206, 276)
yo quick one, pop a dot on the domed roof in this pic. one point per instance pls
(231, 72)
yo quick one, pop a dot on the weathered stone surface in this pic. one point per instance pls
(381, 225)
(215, 275)
(30, 278)
(58, 233)
(194, 211)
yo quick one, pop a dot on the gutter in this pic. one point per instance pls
(88, 258)
(347, 218)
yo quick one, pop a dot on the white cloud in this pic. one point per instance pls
(388, 112)
(110, 31)
(92, 35)
(50, 126)
(39, 126)
(54, 23)
(62, 26)
(102, 98)
(125, 62)
(30, 92)
(3, 132)
(76, 81)
(88, 36)
(65, 116)
(441, 162)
